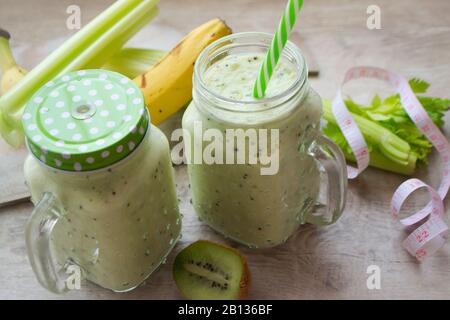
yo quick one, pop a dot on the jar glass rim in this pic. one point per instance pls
(261, 39)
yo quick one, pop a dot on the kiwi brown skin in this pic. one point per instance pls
(244, 281)
(246, 276)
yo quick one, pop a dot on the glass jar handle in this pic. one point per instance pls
(38, 234)
(332, 160)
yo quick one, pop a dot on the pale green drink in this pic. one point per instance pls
(235, 199)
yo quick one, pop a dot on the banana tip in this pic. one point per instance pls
(4, 34)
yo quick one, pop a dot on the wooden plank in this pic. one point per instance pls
(317, 263)
(12, 182)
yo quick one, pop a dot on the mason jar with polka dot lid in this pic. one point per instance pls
(101, 179)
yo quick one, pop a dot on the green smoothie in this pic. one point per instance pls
(234, 77)
(101, 178)
(235, 199)
(119, 223)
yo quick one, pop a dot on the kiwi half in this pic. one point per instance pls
(210, 271)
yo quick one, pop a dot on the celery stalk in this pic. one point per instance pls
(51, 66)
(98, 40)
(379, 160)
(132, 62)
(113, 40)
(392, 146)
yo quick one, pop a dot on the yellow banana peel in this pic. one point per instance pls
(167, 85)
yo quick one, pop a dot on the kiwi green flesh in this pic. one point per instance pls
(206, 270)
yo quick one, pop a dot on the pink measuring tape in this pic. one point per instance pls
(429, 236)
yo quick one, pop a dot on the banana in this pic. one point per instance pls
(167, 86)
(11, 72)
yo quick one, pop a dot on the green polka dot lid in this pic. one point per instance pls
(85, 120)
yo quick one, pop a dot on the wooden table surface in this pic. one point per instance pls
(316, 263)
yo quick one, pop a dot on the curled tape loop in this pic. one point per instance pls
(429, 236)
(352, 134)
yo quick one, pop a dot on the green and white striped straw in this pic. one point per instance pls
(285, 27)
